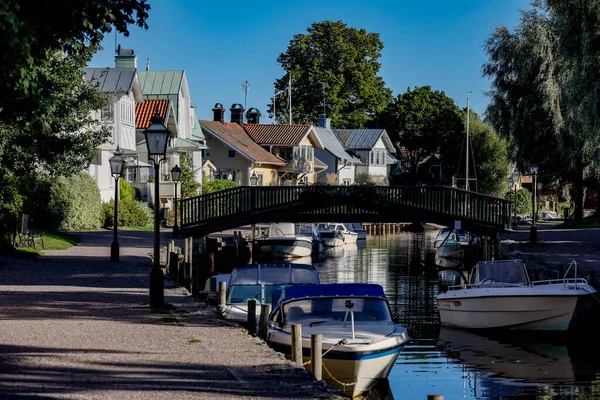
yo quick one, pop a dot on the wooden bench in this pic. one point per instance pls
(27, 237)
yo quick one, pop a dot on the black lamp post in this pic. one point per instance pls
(511, 183)
(539, 193)
(533, 230)
(176, 177)
(254, 179)
(116, 168)
(516, 176)
(157, 137)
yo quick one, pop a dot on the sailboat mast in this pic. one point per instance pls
(467, 158)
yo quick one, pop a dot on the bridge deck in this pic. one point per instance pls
(244, 205)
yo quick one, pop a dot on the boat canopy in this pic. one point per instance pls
(274, 274)
(501, 271)
(328, 290)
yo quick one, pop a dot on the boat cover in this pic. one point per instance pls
(279, 273)
(328, 290)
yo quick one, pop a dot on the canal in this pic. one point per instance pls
(457, 364)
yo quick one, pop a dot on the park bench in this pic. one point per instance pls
(27, 237)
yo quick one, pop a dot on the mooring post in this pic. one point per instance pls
(252, 317)
(222, 294)
(265, 310)
(316, 355)
(435, 397)
(297, 343)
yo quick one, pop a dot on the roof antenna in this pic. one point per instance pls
(147, 64)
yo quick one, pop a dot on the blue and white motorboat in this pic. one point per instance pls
(360, 340)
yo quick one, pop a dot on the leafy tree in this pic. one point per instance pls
(544, 95)
(30, 29)
(337, 65)
(189, 186)
(423, 122)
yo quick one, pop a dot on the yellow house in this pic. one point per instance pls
(234, 154)
(294, 144)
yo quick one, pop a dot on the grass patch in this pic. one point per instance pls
(194, 340)
(52, 241)
(586, 223)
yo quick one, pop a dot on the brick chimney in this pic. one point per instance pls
(237, 114)
(253, 116)
(125, 58)
(219, 113)
(324, 122)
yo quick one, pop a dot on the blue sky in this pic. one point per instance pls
(222, 45)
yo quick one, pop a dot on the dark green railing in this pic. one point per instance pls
(323, 203)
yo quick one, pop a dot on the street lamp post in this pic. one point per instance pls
(539, 193)
(157, 137)
(510, 183)
(176, 177)
(116, 168)
(533, 230)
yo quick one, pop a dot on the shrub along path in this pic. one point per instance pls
(75, 325)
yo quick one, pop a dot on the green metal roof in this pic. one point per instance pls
(162, 85)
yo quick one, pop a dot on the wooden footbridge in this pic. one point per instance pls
(246, 205)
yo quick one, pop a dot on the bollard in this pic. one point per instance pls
(435, 397)
(252, 317)
(222, 294)
(265, 310)
(174, 266)
(297, 343)
(316, 355)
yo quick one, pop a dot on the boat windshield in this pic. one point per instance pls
(501, 271)
(274, 275)
(323, 310)
(242, 293)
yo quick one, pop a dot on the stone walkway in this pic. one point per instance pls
(75, 325)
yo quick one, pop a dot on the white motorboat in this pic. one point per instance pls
(451, 248)
(311, 231)
(360, 341)
(258, 281)
(331, 236)
(501, 295)
(361, 233)
(282, 241)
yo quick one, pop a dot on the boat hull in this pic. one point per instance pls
(358, 369)
(332, 241)
(525, 308)
(286, 247)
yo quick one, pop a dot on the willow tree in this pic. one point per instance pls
(332, 69)
(545, 89)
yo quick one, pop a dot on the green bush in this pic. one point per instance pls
(10, 206)
(127, 192)
(75, 203)
(217, 185)
(132, 213)
(36, 190)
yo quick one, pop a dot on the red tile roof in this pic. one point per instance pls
(236, 137)
(290, 135)
(144, 111)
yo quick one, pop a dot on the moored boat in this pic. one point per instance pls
(501, 295)
(258, 281)
(331, 237)
(282, 241)
(360, 341)
(356, 227)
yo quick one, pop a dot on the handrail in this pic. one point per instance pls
(568, 269)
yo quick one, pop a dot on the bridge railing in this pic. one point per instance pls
(244, 201)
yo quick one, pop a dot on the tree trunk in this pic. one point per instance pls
(578, 213)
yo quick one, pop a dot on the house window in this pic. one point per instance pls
(106, 114)
(372, 158)
(346, 182)
(377, 158)
(231, 153)
(260, 180)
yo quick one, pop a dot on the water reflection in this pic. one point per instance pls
(456, 364)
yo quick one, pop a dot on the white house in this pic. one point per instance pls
(373, 147)
(339, 162)
(119, 115)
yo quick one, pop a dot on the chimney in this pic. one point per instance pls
(237, 114)
(253, 116)
(219, 113)
(125, 58)
(324, 122)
